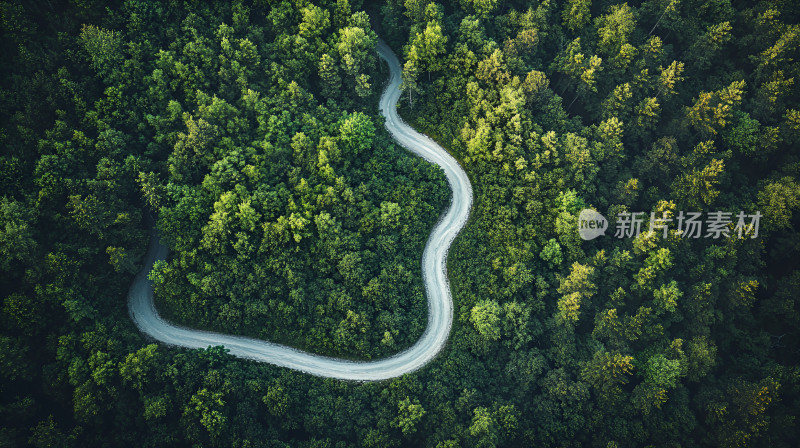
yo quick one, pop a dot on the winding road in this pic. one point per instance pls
(434, 269)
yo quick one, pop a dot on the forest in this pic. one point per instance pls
(248, 133)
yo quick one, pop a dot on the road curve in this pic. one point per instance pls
(434, 269)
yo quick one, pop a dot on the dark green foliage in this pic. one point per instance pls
(248, 131)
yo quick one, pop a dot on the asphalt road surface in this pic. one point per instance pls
(434, 270)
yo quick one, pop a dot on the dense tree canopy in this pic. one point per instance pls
(247, 132)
